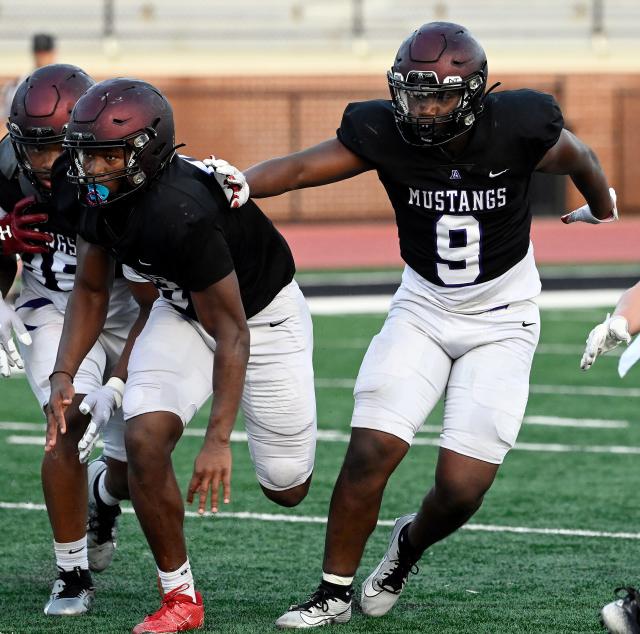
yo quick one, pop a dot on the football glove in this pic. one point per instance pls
(231, 179)
(18, 232)
(583, 214)
(101, 404)
(11, 323)
(604, 337)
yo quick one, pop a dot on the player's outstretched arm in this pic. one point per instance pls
(628, 306)
(221, 314)
(327, 162)
(573, 157)
(103, 402)
(83, 322)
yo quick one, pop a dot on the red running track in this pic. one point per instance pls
(351, 245)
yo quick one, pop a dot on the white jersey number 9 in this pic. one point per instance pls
(458, 243)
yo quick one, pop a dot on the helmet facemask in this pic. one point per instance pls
(92, 188)
(460, 100)
(28, 146)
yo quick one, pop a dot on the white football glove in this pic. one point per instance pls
(9, 355)
(604, 337)
(101, 404)
(583, 214)
(231, 179)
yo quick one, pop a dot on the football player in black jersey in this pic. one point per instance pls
(37, 121)
(456, 160)
(222, 273)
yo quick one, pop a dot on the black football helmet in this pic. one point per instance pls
(440, 60)
(40, 112)
(120, 113)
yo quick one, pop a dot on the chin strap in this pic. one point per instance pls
(486, 94)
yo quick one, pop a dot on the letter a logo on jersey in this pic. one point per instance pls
(455, 175)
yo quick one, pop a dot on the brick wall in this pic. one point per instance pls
(249, 119)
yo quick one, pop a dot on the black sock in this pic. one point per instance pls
(343, 593)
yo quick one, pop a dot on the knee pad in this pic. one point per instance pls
(283, 474)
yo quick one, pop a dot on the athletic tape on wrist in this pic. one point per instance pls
(118, 386)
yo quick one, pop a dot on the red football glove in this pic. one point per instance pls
(17, 230)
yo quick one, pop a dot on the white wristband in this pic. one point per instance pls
(118, 386)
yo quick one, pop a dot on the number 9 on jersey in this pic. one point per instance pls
(458, 243)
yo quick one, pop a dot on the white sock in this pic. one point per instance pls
(70, 555)
(178, 579)
(337, 579)
(103, 492)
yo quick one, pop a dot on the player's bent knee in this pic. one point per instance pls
(139, 445)
(284, 474)
(288, 497)
(372, 454)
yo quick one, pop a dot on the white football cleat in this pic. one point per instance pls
(71, 595)
(102, 529)
(383, 586)
(323, 607)
(622, 616)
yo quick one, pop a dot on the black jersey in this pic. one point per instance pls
(56, 269)
(182, 236)
(462, 220)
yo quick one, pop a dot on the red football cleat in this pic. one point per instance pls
(178, 613)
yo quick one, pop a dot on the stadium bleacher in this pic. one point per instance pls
(317, 23)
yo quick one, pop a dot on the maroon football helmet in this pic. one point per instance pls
(120, 113)
(442, 62)
(40, 112)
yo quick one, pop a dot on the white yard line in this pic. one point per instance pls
(591, 423)
(552, 421)
(316, 519)
(328, 435)
(585, 390)
(566, 390)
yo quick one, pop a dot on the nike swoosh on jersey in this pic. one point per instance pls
(492, 175)
(525, 324)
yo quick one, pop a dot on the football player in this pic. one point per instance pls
(222, 275)
(456, 160)
(37, 121)
(621, 616)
